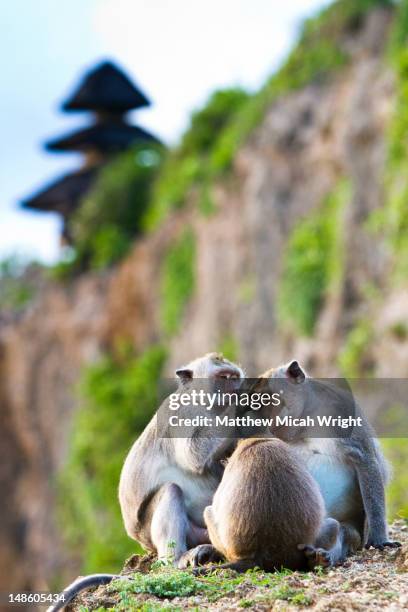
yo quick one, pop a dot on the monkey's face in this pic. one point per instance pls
(286, 380)
(214, 370)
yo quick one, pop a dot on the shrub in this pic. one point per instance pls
(207, 123)
(109, 217)
(164, 583)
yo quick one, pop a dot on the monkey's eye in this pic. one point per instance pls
(228, 375)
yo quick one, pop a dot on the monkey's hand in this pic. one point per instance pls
(380, 544)
(316, 557)
(200, 555)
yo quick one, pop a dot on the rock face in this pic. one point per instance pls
(305, 144)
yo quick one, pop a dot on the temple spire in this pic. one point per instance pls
(107, 93)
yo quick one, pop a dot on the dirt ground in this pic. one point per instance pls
(370, 580)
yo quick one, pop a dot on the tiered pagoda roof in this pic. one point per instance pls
(106, 88)
(108, 93)
(106, 137)
(60, 195)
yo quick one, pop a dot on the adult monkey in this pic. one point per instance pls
(166, 483)
(351, 471)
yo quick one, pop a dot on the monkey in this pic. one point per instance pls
(267, 512)
(351, 471)
(167, 482)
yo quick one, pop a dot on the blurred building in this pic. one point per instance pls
(108, 94)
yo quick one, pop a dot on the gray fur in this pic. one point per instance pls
(351, 471)
(71, 591)
(167, 482)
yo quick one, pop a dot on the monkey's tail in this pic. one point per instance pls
(79, 585)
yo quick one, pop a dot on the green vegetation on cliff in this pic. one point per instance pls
(135, 192)
(393, 218)
(188, 165)
(354, 359)
(19, 282)
(177, 281)
(319, 52)
(312, 263)
(110, 216)
(118, 398)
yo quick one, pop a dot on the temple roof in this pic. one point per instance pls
(63, 194)
(104, 137)
(105, 88)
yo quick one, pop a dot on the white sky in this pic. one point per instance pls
(178, 51)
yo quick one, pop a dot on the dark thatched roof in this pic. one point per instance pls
(108, 137)
(64, 194)
(106, 88)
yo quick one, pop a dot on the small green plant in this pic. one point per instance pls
(177, 281)
(171, 547)
(319, 570)
(246, 603)
(290, 594)
(166, 583)
(301, 599)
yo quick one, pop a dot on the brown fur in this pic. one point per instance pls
(265, 506)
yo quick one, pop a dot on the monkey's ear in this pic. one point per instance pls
(295, 372)
(184, 374)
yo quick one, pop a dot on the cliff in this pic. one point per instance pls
(318, 155)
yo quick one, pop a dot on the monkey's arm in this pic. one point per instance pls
(201, 455)
(221, 449)
(206, 454)
(371, 482)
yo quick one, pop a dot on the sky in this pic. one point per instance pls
(177, 51)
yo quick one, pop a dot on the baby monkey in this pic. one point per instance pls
(267, 512)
